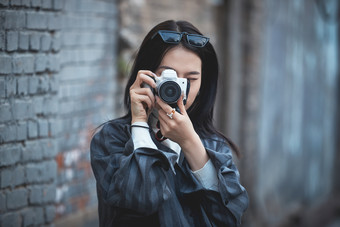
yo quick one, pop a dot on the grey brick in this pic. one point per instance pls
(49, 193)
(14, 20)
(11, 220)
(43, 127)
(23, 41)
(2, 88)
(5, 64)
(35, 41)
(5, 112)
(2, 134)
(33, 173)
(54, 127)
(12, 40)
(58, 4)
(23, 64)
(36, 172)
(49, 148)
(56, 43)
(46, 4)
(19, 175)
(38, 216)
(36, 3)
(38, 104)
(37, 20)
(4, 2)
(51, 105)
(22, 85)
(11, 86)
(2, 203)
(10, 154)
(7, 133)
(22, 109)
(54, 22)
(6, 179)
(54, 84)
(15, 2)
(28, 216)
(36, 195)
(50, 170)
(2, 20)
(32, 129)
(32, 151)
(45, 42)
(13, 176)
(21, 131)
(33, 85)
(43, 84)
(2, 39)
(19, 109)
(17, 198)
(40, 62)
(26, 3)
(50, 213)
(53, 62)
(41, 172)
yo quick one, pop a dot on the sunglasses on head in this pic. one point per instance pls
(176, 37)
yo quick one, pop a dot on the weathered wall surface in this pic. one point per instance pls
(299, 100)
(282, 62)
(57, 67)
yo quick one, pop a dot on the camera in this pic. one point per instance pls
(170, 88)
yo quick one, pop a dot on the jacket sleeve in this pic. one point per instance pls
(127, 178)
(225, 207)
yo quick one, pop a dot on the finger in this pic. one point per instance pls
(162, 116)
(163, 122)
(145, 91)
(136, 93)
(146, 76)
(144, 99)
(180, 105)
(163, 105)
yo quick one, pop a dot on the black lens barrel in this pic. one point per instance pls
(169, 92)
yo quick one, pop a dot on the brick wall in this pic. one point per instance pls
(85, 98)
(56, 85)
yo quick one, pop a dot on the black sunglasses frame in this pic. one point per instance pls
(189, 37)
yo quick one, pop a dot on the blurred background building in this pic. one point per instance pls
(64, 64)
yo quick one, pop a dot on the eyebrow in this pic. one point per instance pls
(189, 73)
(165, 67)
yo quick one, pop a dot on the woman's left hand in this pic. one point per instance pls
(179, 129)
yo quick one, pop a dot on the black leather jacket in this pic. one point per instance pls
(147, 187)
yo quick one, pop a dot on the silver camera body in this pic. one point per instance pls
(170, 88)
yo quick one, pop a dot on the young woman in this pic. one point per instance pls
(166, 166)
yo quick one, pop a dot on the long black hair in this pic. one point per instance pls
(149, 57)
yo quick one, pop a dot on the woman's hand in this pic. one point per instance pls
(180, 130)
(142, 99)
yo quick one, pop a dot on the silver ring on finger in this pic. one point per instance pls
(170, 115)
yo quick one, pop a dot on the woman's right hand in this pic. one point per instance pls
(142, 98)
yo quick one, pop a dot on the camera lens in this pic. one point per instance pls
(170, 92)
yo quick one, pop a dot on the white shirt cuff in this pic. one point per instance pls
(141, 136)
(207, 176)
